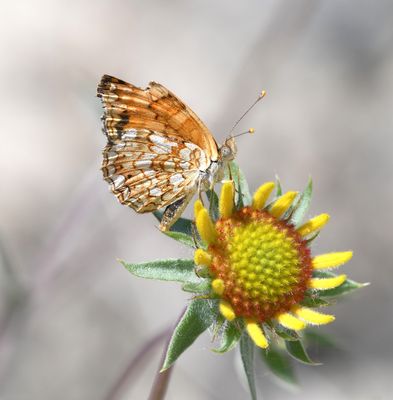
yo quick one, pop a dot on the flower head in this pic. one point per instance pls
(254, 278)
(261, 264)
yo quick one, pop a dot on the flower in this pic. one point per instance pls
(261, 265)
(253, 278)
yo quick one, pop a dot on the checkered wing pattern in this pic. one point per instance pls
(154, 108)
(149, 170)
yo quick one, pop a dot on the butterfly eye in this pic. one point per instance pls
(226, 152)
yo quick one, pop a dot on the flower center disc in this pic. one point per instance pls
(264, 263)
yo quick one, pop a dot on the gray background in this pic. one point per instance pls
(72, 318)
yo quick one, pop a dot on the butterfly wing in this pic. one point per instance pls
(154, 108)
(148, 170)
(158, 149)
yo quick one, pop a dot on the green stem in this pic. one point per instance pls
(161, 381)
(135, 365)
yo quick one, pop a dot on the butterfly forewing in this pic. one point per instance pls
(154, 108)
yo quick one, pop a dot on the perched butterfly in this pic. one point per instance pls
(159, 153)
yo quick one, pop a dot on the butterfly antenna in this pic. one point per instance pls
(260, 97)
(251, 130)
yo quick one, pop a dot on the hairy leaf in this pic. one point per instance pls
(201, 286)
(247, 355)
(278, 187)
(296, 349)
(243, 196)
(177, 270)
(181, 237)
(213, 204)
(302, 205)
(279, 364)
(199, 315)
(230, 336)
(314, 301)
(285, 333)
(183, 225)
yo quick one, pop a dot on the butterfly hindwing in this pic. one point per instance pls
(148, 170)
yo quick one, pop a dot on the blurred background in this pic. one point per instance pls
(74, 324)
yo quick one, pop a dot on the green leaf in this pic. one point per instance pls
(288, 214)
(311, 238)
(316, 338)
(247, 355)
(244, 188)
(165, 270)
(181, 237)
(279, 364)
(202, 286)
(183, 225)
(278, 187)
(302, 205)
(314, 301)
(347, 287)
(202, 271)
(213, 204)
(241, 186)
(230, 337)
(284, 333)
(199, 315)
(218, 326)
(296, 349)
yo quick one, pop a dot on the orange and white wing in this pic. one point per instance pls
(149, 170)
(155, 109)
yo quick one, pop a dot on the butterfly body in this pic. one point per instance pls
(159, 153)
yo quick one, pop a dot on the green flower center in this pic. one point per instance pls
(264, 263)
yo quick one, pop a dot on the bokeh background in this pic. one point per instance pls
(74, 323)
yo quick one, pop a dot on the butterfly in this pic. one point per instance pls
(159, 153)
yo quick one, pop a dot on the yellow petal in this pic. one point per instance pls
(226, 310)
(282, 204)
(197, 207)
(331, 260)
(261, 195)
(327, 283)
(202, 257)
(218, 286)
(314, 224)
(256, 333)
(226, 199)
(313, 317)
(289, 321)
(206, 227)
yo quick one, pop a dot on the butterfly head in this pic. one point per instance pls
(228, 150)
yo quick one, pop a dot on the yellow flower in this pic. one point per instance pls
(261, 264)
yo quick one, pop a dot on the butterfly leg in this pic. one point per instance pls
(200, 190)
(230, 172)
(173, 211)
